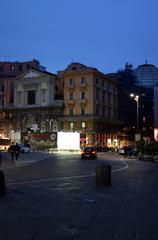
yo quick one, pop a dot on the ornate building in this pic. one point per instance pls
(35, 108)
(8, 72)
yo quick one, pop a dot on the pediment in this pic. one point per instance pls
(31, 74)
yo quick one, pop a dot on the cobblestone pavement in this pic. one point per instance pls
(57, 199)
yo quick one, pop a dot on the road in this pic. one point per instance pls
(57, 199)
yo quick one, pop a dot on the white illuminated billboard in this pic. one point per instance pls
(68, 141)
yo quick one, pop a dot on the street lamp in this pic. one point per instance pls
(136, 98)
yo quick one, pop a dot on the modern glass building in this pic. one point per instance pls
(147, 76)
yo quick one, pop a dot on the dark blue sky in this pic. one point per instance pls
(101, 33)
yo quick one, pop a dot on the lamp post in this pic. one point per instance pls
(136, 98)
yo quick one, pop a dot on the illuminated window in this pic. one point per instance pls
(71, 125)
(12, 67)
(83, 125)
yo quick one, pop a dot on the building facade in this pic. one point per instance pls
(35, 112)
(8, 72)
(136, 116)
(90, 105)
(147, 76)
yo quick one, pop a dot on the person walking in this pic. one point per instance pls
(16, 151)
(12, 151)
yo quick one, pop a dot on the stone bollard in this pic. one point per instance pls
(2, 184)
(103, 175)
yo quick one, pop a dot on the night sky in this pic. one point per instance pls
(100, 33)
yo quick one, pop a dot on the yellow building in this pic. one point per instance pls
(90, 100)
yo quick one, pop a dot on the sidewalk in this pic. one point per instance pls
(24, 159)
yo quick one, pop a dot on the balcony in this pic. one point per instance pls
(71, 101)
(83, 100)
(84, 84)
(71, 85)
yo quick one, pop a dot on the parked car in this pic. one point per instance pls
(89, 152)
(25, 148)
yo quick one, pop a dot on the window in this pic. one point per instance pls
(56, 88)
(97, 95)
(20, 68)
(71, 82)
(12, 67)
(19, 98)
(28, 66)
(71, 111)
(31, 97)
(2, 102)
(71, 125)
(114, 100)
(83, 111)
(83, 80)
(83, 95)
(103, 108)
(1, 87)
(71, 96)
(97, 110)
(43, 97)
(109, 113)
(83, 125)
(1, 68)
(103, 96)
(108, 98)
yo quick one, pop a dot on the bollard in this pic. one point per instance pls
(2, 184)
(103, 175)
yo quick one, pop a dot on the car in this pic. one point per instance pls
(89, 152)
(121, 151)
(25, 148)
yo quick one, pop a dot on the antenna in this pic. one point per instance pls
(146, 56)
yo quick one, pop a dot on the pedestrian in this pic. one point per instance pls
(12, 152)
(16, 151)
